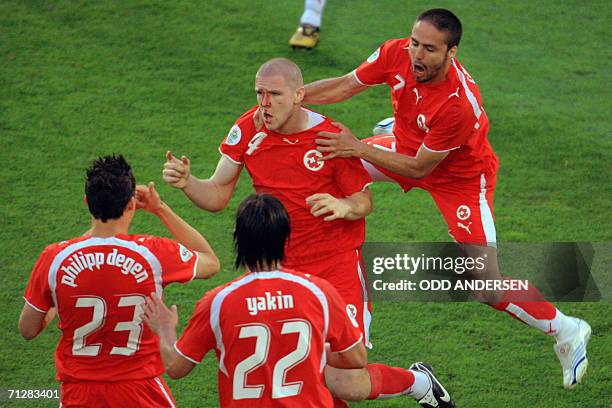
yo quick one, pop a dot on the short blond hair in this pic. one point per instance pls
(283, 67)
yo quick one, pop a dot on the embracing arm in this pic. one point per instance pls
(163, 321)
(353, 207)
(333, 90)
(415, 167)
(148, 199)
(345, 144)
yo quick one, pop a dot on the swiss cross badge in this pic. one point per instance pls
(463, 212)
(312, 160)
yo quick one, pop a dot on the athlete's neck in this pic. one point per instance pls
(297, 122)
(110, 228)
(265, 267)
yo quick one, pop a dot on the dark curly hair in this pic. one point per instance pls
(109, 187)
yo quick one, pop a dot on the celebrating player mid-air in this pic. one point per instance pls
(439, 143)
(98, 283)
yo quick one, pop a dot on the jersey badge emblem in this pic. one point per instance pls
(421, 123)
(374, 56)
(463, 212)
(312, 160)
(351, 311)
(185, 253)
(234, 136)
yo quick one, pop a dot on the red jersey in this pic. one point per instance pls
(289, 167)
(269, 331)
(447, 116)
(97, 286)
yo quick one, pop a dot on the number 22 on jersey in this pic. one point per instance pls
(280, 387)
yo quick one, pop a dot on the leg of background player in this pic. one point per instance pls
(527, 306)
(307, 34)
(313, 12)
(377, 381)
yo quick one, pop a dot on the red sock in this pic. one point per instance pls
(390, 381)
(530, 301)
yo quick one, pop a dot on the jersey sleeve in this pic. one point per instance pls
(198, 337)
(451, 129)
(350, 175)
(376, 68)
(236, 143)
(178, 262)
(38, 292)
(343, 331)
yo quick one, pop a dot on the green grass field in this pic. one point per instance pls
(82, 79)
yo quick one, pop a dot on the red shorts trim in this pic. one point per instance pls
(149, 393)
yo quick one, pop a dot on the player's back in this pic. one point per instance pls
(270, 330)
(98, 286)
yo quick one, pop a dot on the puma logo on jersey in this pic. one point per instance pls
(418, 97)
(255, 142)
(269, 302)
(465, 227)
(290, 141)
(456, 93)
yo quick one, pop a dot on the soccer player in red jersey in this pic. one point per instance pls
(439, 143)
(98, 283)
(269, 327)
(326, 201)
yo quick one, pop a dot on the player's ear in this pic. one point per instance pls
(452, 52)
(131, 205)
(299, 95)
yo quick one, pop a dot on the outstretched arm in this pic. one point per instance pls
(148, 199)
(211, 194)
(333, 90)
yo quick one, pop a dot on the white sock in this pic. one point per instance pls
(421, 385)
(566, 327)
(313, 12)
